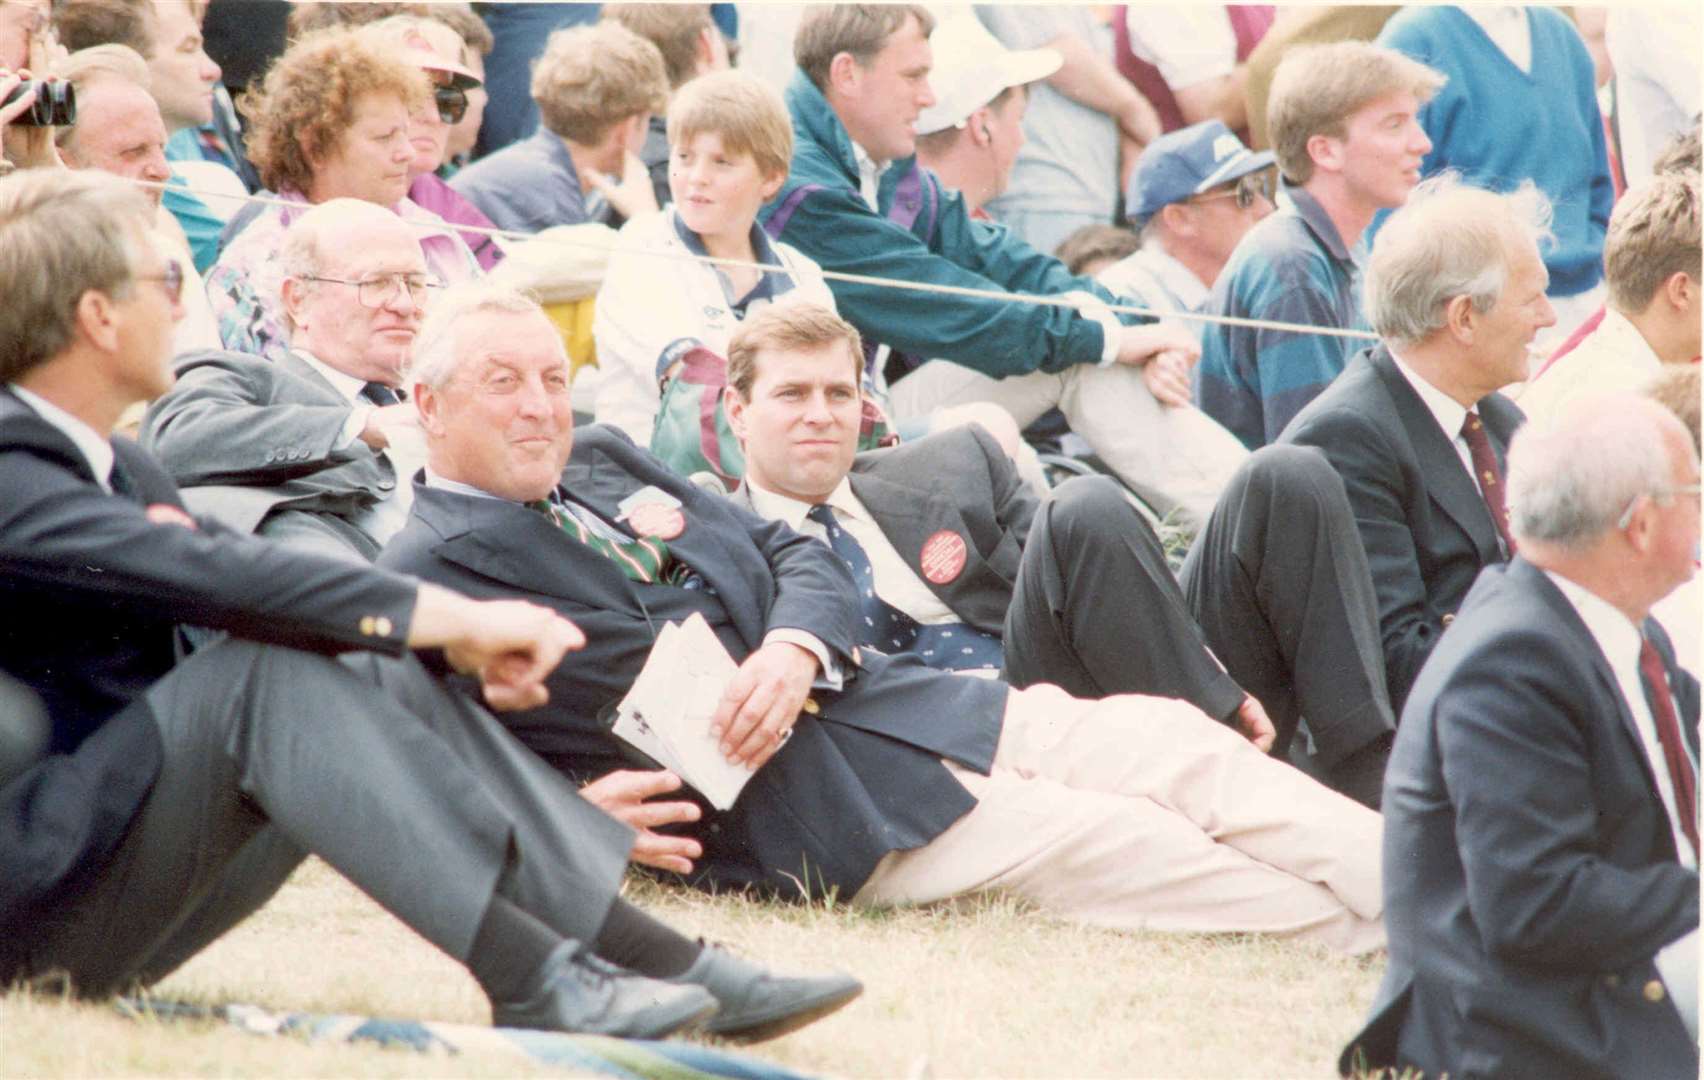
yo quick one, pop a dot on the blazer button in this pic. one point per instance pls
(382, 626)
(369, 625)
(1612, 981)
(812, 707)
(1449, 617)
(1654, 991)
(386, 485)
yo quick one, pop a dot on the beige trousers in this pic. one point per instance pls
(1141, 813)
(1178, 459)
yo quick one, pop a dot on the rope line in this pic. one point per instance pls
(999, 295)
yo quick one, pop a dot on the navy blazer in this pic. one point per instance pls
(1422, 520)
(862, 774)
(94, 587)
(1529, 866)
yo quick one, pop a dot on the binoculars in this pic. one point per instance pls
(55, 104)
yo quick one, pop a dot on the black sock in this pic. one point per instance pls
(508, 949)
(637, 942)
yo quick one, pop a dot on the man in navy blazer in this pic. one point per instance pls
(1541, 818)
(876, 777)
(1415, 425)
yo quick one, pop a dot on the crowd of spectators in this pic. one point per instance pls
(1148, 373)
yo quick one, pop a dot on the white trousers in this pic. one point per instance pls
(1178, 459)
(1141, 813)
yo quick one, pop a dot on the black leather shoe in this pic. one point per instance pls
(574, 991)
(757, 1005)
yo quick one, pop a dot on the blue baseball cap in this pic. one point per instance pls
(1187, 162)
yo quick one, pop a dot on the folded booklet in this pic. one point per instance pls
(666, 714)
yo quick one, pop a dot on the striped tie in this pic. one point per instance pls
(641, 560)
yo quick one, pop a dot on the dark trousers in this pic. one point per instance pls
(1096, 610)
(417, 796)
(1279, 584)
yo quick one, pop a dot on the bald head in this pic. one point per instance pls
(118, 131)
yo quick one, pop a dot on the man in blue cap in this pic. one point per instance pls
(1193, 194)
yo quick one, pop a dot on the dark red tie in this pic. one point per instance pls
(1668, 733)
(1488, 475)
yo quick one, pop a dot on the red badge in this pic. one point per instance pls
(654, 520)
(167, 514)
(943, 557)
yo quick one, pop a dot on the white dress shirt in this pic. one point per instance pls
(1447, 411)
(390, 513)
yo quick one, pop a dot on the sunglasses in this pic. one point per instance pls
(1256, 185)
(451, 102)
(170, 279)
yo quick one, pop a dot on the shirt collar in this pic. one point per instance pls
(95, 447)
(775, 507)
(869, 175)
(768, 286)
(341, 381)
(1313, 214)
(433, 480)
(1615, 634)
(1447, 411)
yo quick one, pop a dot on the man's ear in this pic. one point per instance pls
(1325, 152)
(293, 292)
(96, 318)
(845, 74)
(734, 406)
(429, 405)
(772, 184)
(1178, 219)
(1460, 318)
(1678, 289)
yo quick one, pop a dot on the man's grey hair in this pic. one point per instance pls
(1449, 239)
(436, 354)
(1572, 477)
(62, 234)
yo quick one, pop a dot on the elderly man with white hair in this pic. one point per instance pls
(1541, 814)
(312, 447)
(1415, 425)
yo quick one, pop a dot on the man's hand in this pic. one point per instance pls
(1255, 725)
(512, 645)
(384, 421)
(762, 701)
(1167, 378)
(623, 794)
(634, 195)
(26, 146)
(1138, 344)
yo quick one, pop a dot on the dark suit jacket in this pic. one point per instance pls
(1422, 520)
(961, 481)
(93, 589)
(248, 438)
(859, 778)
(1529, 867)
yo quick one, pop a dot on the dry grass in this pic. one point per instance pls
(985, 989)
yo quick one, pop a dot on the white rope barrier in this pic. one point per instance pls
(999, 295)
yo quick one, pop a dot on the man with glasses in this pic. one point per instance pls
(1193, 194)
(1541, 817)
(316, 447)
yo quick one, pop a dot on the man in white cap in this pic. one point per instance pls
(1193, 194)
(857, 200)
(972, 134)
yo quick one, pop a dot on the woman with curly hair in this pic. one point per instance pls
(331, 120)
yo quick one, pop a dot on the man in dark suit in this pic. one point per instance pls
(309, 449)
(174, 797)
(1074, 590)
(1541, 816)
(1415, 426)
(874, 776)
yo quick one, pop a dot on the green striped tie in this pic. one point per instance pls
(641, 560)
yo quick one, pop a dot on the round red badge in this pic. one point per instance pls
(657, 521)
(943, 557)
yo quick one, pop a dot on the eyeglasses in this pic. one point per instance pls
(451, 102)
(382, 289)
(170, 279)
(1626, 517)
(1253, 186)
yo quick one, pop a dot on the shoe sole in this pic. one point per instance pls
(775, 1024)
(696, 1018)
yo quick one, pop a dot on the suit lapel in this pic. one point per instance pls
(1447, 481)
(908, 517)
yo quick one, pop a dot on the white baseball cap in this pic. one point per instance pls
(972, 68)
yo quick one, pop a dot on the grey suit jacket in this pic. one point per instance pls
(958, 481)
(252, 443)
